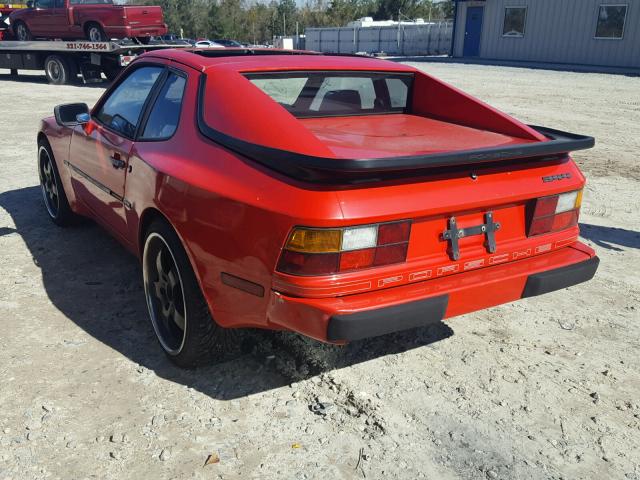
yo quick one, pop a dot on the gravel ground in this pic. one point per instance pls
(545, 388)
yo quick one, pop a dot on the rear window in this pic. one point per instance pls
(324, 94)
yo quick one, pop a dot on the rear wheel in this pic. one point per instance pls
(178, 311)
(95, 33)
(59, 70)
(53, 195)
(22, 32)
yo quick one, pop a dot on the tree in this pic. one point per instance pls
(227, 19)
(287, 15)
(255, 21)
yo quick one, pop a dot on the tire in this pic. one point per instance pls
(53, 194)
(144, 40)
(177, 309)
(22, 32)
(95, 33)
(59, 70)
(111, 73)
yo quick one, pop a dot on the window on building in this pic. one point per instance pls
(514, 21)
(611, 21)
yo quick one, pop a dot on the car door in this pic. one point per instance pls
(100, 149)
(58, 20)
(42, 19)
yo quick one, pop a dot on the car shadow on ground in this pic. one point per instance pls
(97, 284)
(611, 238)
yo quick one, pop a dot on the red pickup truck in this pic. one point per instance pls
(95, 20)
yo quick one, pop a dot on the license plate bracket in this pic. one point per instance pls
(454, 234)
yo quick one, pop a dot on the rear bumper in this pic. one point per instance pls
(355, 317)
(372, 323)
(559, 278)
(136, 31)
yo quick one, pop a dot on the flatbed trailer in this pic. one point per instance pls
(62, 61)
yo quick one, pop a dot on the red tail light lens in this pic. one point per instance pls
(393, 233)
(555, 213)
(297, 263)
(390, 254)
(357, 259)
(319, 251)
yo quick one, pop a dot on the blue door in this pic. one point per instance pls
(472, 32)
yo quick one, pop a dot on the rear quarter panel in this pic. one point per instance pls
(231, 216)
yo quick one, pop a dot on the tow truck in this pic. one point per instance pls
(63, 60)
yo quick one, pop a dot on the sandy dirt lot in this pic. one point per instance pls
(546, 388)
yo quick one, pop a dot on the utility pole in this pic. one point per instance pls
(284, 23)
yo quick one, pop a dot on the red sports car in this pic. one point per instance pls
(336, 196)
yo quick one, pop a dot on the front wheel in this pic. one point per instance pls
(22, 32)
(178, 311)
(53, 194)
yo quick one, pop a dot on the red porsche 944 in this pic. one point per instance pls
(338, 197)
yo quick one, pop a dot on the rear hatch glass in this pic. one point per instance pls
(324, 94)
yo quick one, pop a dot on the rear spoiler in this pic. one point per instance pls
(340, 170)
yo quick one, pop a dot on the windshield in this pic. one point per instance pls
(324, 94)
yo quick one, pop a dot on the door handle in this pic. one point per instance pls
(117, 162)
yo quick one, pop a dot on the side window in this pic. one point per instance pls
(59, 4)
(121, 111)
(165, 114)
(44, 3)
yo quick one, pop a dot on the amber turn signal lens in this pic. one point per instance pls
(579, 199)
(326, 251)
(308, 240)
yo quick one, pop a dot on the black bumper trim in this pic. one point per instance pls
(372, 323)
(556, 279)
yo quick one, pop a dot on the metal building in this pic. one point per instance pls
(603, 33)
(395, 38)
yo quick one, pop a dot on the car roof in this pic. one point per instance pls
(270, 59)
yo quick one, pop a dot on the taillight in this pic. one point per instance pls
(555, 213)
(326, 251)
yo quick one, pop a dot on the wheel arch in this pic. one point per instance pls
(86, 24)
(42, 137)
(147, 217)
(17, 21)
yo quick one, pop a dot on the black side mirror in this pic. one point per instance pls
(30, 4)
(67, 114)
